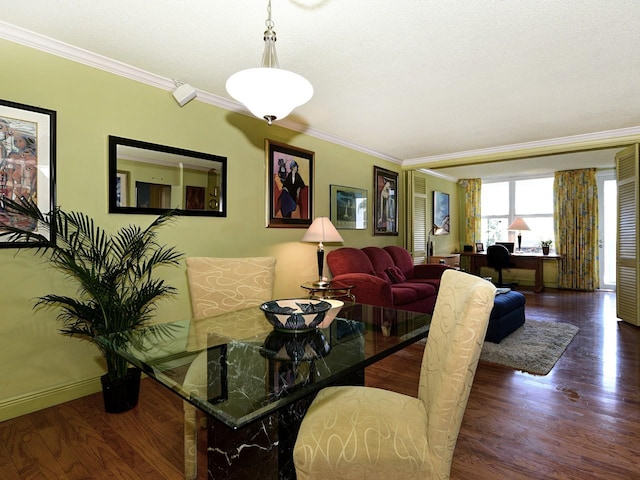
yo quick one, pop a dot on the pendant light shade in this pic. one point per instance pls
(269, 92)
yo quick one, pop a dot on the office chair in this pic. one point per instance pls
(362, 432)
(498, 258)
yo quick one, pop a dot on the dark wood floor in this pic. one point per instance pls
(582, 421)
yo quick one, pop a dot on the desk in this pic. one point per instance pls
(528, 261)
(259, 383)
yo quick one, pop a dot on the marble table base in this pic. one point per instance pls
(261, 450)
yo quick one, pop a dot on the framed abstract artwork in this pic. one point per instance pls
(289, 185)
(385, 204)
(348, 207)
(27, 161)
(441, 219)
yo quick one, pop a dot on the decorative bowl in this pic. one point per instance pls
(295, 314)
(336, 305)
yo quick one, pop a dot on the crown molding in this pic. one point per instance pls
(85, 57)
(70, 52)
(435, 173)
(602, 139)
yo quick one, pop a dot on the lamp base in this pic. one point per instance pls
(321, 283)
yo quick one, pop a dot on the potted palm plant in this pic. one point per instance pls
(545, 244)
(117, 293)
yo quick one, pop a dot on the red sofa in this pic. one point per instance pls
(387, 277)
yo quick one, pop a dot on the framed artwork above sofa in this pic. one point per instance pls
(385, 205)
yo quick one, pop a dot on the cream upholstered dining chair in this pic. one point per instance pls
(363, 432)
(218, 285)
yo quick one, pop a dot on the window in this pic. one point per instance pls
(530, 199)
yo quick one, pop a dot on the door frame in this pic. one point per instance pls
(602, 176)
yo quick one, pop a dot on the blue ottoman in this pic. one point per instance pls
(507, 315)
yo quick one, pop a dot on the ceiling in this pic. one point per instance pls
(407, 80)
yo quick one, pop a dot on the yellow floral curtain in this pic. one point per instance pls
(576, 228)
(473, 219)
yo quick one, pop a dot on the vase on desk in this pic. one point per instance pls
(545, 250)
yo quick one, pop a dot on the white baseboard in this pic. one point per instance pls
(33, 402)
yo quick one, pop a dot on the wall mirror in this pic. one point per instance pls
(150, 178)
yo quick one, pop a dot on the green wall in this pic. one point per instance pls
(38, 366)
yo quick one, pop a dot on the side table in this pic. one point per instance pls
(329, 291)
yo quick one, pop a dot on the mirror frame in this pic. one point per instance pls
(114, 142)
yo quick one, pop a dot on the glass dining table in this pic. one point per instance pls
(255, 383)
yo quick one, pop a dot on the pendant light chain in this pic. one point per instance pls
(270, 57)
(269, 23)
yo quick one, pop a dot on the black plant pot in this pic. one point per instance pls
(545, 250)
(121, 395)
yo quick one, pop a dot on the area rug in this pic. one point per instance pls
(534, 348)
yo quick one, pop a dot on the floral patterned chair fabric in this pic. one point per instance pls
(216, 286)
(363, 432)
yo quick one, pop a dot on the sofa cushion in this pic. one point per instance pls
(349, 260)
(402, 259)
(431, 281)
(403, 295)
(379, 258)
(422, 290)
(384, 276)
(395, 274)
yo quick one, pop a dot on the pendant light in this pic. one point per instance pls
(269, 92)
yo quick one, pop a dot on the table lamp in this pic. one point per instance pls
(321, 230)
(519, 224)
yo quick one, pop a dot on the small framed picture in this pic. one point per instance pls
(479, 247)
(348, 207)
(385, 205)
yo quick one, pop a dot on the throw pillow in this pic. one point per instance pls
(396, 275)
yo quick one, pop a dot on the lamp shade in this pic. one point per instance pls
(269, 93)
(518, 224)
(322, 230)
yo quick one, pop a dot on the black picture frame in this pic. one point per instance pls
(289, 194)
(27, 163)
(385, 204)
(479, 247)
